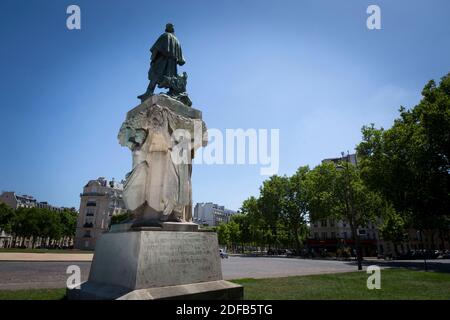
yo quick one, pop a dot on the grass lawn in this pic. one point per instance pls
(11, 250)
(395, 284)
(33, 294)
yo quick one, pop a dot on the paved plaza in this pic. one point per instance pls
(15, 275)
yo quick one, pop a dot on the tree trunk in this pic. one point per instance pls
(433, 245)
(441, 236)
(395, 249)
(297, 242)
(357, 245)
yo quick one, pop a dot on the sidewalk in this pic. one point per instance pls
(17, 256)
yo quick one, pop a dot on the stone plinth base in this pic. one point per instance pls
(213, 290)
(156, 265)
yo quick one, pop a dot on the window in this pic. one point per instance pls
(88, 225)
(316, 235)
(91, 203)
(332, 223)
(333, 235)
(323, 223)
(89, 222)
(324, 235)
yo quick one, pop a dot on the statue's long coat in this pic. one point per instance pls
(166, 54)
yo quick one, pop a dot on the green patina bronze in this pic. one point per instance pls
(166, 56)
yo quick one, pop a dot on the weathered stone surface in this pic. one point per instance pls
(213, 290)
(156, 265)
(170, 226)
(163, 135)
(165, 226)
(144, 259)
(164, 100)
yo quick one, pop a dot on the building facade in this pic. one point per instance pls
(333, 234)
(211, 214)
(16, 201)
(99, 201)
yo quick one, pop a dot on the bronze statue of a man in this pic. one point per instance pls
(166, 55)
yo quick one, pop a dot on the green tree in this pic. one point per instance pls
(234, 234)
(273, 202)
(223, 234)
(69, 223)
(251, 209)
(294, 206)
(119, 218)
(409, 163)
(6, 217)
(243, 235)
(27, 223)
(49, 225)
(271, 194)
(340, 193)
(393, 228)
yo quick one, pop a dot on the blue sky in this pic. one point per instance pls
(309, 68)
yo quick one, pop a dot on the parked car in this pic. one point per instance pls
(223, 254)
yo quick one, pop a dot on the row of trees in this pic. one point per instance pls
(401, 181)
(37, 224)
(280, 215)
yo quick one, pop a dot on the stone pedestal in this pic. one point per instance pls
(157, 265)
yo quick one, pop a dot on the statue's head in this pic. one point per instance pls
(170, 28)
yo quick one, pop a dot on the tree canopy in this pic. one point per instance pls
(409, 163)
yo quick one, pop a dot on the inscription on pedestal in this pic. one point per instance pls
(156, 259)
(178, 258)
